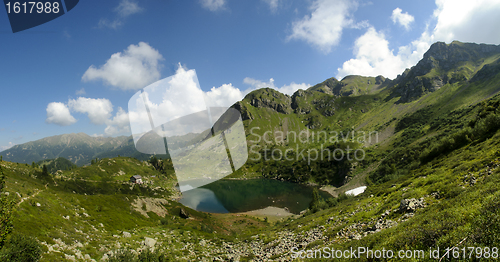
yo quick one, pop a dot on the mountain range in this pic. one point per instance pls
(432, 175)
(449, 76)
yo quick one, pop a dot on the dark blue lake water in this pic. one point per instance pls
(234, 196)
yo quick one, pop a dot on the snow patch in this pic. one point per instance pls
(356, 191)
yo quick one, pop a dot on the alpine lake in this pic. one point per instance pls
(236, 196)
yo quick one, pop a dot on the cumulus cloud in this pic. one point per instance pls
(133, 69)
(225, 95)
(454, 20)
(403, 19)
(167, 99)
(119, 124)
(374, 57)
(285, 89)
(124, 9)
(273, 5)
(467, 21)
(213, 5)
(323, 27)
(98, 110)
(58, 113)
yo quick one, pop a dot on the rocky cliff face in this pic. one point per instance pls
(270, 98)
(351, 85)
(442, 64)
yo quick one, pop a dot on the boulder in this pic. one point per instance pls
(149, 242)
(183, 213)
(411, 204)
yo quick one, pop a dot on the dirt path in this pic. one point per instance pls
(28, 197)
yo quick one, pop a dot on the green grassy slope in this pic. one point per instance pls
(84, 211)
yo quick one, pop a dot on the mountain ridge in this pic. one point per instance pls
(355, 101)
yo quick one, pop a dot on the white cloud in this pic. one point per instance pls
(293, 87)
(404, 19)
(273, 5)
(225, 95)
(286, 89)
(323, 27)
(58, 113)
(9, 145)
(81, 91)
(373, 56)
(180, 96)
(213, 5)
(167, 99)
(119, 124)
(127, 7)
(124, 9)
(135, 68)
(111, 24)
(467, 21)
(98, 110)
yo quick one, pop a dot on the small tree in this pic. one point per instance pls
(6, 206)
(21, 248)
(45, 171)
(317, 203)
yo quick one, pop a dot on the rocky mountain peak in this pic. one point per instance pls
(442, 64)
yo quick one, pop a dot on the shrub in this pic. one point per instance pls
(122, 255)
(21, 248)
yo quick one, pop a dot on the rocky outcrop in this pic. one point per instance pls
(443, 64)
(245, 114)
(411, 204)
(270, 98)
(183, 213)
(299, 102)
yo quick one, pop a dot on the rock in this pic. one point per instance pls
(410, 205)
(379, 80)
(126, 234)
(183, 213)
(436, 195)
(149, 242)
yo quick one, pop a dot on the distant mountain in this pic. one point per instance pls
(449, 77)
(79, 148)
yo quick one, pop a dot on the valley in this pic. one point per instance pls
(430, 167)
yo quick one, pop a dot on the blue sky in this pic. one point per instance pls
(78, 72)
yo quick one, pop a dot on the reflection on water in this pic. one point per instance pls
(235, 196)
(201, 199)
